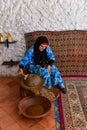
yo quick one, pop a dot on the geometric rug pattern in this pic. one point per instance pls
(73, 105)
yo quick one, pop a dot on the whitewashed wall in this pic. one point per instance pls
(18, 17)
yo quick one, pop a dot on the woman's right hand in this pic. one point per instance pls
(20, 71)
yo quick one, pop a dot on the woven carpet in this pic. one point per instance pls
(73, 105)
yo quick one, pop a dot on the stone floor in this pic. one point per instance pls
(9, 116)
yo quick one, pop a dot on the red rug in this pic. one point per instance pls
(73, 105)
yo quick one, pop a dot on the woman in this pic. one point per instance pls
(39, 60)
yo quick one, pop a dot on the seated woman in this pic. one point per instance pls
(39, 60)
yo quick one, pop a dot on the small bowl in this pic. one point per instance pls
(34, 107)
(52, 94)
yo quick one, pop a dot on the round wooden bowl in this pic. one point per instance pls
(33, 83)
(34, 107)
(52, 93)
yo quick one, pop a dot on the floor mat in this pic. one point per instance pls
(73, 105)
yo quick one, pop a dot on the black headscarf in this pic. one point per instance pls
(40, 57)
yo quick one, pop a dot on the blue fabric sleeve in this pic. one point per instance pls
(27, 57)
(50, 53)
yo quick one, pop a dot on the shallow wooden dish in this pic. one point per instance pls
(34, 107)
(52, 93)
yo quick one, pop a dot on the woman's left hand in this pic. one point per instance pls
(38, 66)
(49, 68)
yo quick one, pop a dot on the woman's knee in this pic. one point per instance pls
(45, 73)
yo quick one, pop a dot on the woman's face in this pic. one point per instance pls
(42, 47)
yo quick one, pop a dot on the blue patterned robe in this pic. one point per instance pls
(50, 78)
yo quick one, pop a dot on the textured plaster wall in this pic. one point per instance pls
(18, 17)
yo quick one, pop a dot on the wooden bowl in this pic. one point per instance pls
(52, 93)
(34, 107)
(33, 80)
(33, 83)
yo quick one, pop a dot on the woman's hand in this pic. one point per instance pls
(20, 71)
(38, 66)
(49, 68)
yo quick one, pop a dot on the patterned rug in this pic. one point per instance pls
(73, 105)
